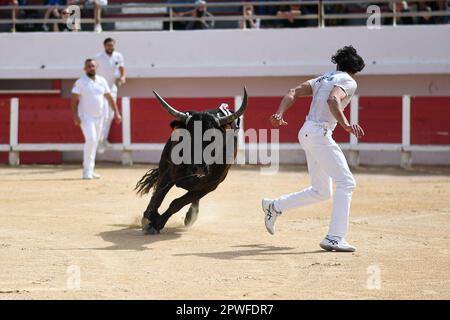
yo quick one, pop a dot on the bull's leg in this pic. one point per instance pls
(192, 214)
(151, 216)
(179, 203)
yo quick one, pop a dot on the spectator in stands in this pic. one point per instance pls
(430, 7)
(110, 66)
(98, 4)
(267, 11)
(87, 105)
(16, 3)
(53, 12)
(178, 25)
(64, 26)
(289, 15)
(200, 11)
(400, 7)
(334, 9)
(249, 21)
(355, 8)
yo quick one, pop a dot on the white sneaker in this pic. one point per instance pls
(98, 28)
(102, 146)
(95, 175)
(339, 244)
(87, 176)
(90, 176)
(270, 215)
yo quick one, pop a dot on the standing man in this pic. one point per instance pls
(88, 97)
(111, 67)
(331, 94)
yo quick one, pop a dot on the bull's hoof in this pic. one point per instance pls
(149, 229)
(191, 217)
(144, 222)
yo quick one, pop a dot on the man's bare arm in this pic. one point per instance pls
(288, 100)
(334, 102)
(122, 74)
(74, 107)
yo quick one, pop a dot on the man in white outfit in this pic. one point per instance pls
(110, 66)
(326, 163)
(87, 103)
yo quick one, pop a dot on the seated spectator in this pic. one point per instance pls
(334, 9)
(400, 7)
(53, 12)
(65, 26)
(178, 25)
(16, 3)
(267, 11)
(430, 7)
(249, 21)
(98, 4)
(289, 15)
(200, 11)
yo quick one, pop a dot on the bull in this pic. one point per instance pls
(198, 178)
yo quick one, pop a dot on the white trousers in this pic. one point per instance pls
(91, 127)
(108, 116)
(326, 163)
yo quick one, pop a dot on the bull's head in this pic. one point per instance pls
(208, 121)
(186, 117)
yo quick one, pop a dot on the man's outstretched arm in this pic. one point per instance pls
(288, 100)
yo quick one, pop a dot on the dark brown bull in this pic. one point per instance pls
(198, 179)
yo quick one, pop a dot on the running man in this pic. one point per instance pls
(87, 103)
(110, 66)
(326, 163)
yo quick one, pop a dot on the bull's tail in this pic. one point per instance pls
(147, 182)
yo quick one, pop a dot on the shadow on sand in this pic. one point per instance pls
(132, 238)
(248, 251)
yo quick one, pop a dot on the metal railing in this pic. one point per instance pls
(322, 14)
(128, 146)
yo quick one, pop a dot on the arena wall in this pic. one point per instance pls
(199, 69)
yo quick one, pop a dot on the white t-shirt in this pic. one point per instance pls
(322, 86)
(108, 66)
(92, 93)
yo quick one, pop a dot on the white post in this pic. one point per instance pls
(353, 155)
(127, 155)
(240, 157)
(405, 162)
(14, 158)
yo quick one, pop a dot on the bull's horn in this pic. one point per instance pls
(238, 113)
(177, 114)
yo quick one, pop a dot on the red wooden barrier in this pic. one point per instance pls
(115, 133)
(150, 122)
(381, 119)
(430, 120)
(47, 120)
(4, 120)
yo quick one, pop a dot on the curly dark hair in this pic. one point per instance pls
(348, 60)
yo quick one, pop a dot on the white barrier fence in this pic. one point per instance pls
(127, 147)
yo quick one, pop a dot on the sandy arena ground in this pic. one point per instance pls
(51, 220)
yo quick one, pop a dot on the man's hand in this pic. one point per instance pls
(356, 130)
(118, 118)
(76, 120)
(277, 120)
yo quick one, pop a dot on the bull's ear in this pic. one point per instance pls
(175, 124)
